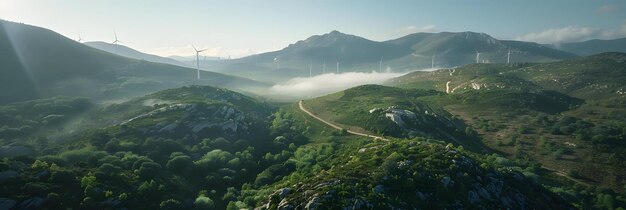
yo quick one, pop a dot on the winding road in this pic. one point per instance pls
(338, 127)
(301, 105)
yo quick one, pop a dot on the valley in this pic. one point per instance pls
(396, 117)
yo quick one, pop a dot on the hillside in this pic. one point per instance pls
(595, 77)
(39, 63)
(566, 115)
(595, 46)
(390, 112)
(132, 53)
(167, 145)
(204, 147)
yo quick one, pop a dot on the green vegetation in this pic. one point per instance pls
(505, 138)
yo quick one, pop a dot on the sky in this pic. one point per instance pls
(243, 27)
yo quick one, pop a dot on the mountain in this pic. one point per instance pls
(408, 53)
(132, 53)
(39, 63)
(595, 46)
(457, 49)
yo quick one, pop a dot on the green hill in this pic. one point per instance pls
(391, 112)
(39, 63)
(595, 46)
(594, 77)
(566, 115)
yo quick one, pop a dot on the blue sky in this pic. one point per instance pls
(238, 27)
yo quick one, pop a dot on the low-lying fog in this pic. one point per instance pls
(306, 87)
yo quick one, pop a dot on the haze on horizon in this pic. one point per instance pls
(249, 27)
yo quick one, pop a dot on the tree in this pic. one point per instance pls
(203, 202)
(171, 204)
(149, 170)
(179, 163)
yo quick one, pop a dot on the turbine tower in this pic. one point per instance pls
(477, 56)
(115, 42)
(324, 67)
(198, 60)
(310, 68)
(380, 64)
(337, 67)
(277, 61)
(432, 62)
(508, 56)
(80, 39)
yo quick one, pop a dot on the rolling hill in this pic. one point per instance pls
(200, 147)
(132, 53)
(39, 63)
(594, 46)
(556, 113)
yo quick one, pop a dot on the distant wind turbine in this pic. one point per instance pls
(80, 39)
(116, 42)
(310, 68)
(277, 61)
(324, 67)
(477, 56)
(432, 62)
(337, 67)
(380, 64)
(198, 60)
(508, 56)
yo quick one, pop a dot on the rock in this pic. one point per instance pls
(282, 193)
(8, 174)
(405, 163)
(285, 205)
(446, 181)
(32, 203)
(421, 195)
(6, 204)
(379, 189)
(358, 204)
(473, 197)
(484, 194)
(312, 204)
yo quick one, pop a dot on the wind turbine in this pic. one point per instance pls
(277, 61)
(310, 68)
(198, 60)
(115, 42)
(508, 56)
(337, 67)
(324, 67)
(432, 62)
(477, 56)
(380, 64)
(80, 39)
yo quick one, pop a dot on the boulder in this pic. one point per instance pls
(312, 204)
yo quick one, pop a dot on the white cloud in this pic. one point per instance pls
(417, 29)
(573, 34)
(327, 83)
